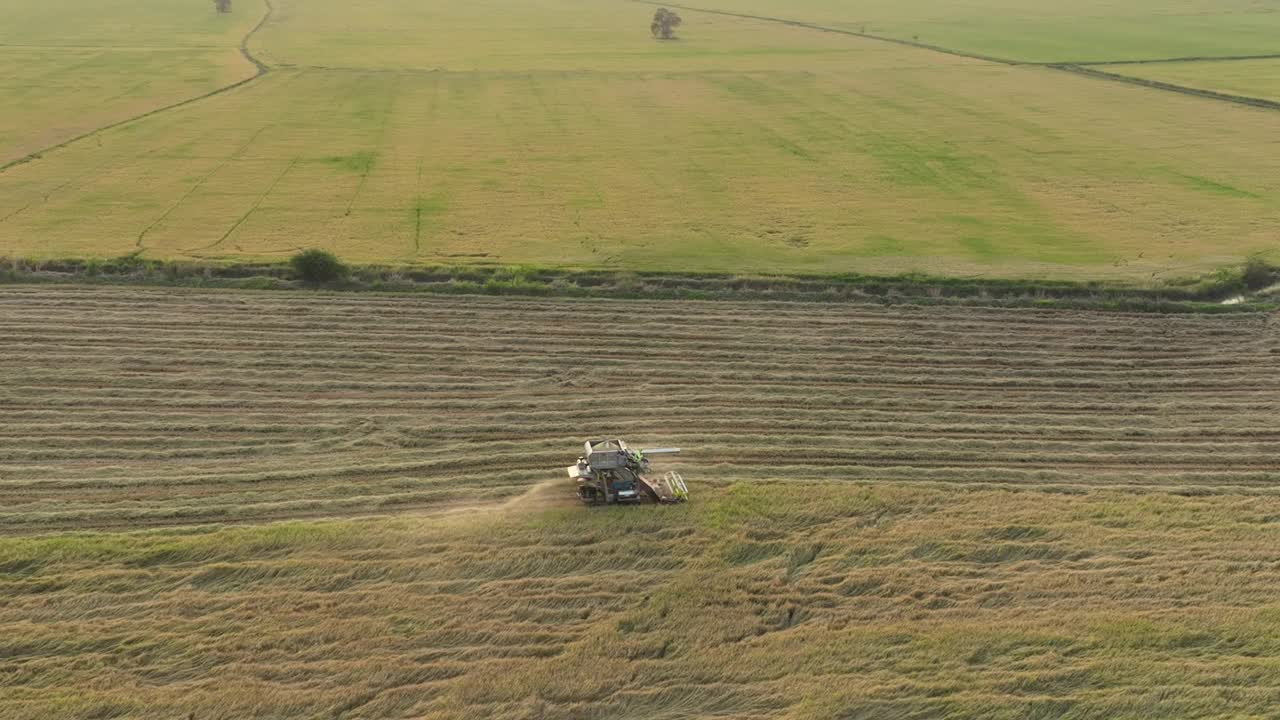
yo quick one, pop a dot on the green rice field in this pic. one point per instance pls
(1027, 31)
(1248, 78)
(558, 133)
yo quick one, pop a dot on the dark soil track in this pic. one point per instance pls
(147, 407)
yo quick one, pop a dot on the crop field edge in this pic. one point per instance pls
(1200, 294)
(1087, 70)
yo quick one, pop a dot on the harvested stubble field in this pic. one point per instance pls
(233, 504)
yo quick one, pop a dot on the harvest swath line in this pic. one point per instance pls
(269, 406)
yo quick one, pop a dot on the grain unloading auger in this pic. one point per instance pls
(609, 472)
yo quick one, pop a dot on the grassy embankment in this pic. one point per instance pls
(1250, 287)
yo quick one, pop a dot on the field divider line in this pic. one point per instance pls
(1159, 61)
(840, 31)
(260, 67)
(1168, 87)
(1076, 68)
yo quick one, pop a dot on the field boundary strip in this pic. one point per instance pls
(261, 70)
(1159, 61)
(1168, 87)
(841, 31)
(1203, 294)
(1078, 68)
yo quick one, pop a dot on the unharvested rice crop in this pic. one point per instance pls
(559, 133)
(1248, 78)
(1031, 31)
(72, 67)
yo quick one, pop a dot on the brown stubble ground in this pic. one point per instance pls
(176, 407)
(234, 504)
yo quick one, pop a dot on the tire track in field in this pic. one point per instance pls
(377, 143)
(245, 216)
(199, 183)
(102, 170)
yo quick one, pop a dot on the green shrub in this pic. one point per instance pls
(316, 267)
(1258, 273)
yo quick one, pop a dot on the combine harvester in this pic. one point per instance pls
(609, 473)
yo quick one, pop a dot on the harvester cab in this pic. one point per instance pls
(609, 473)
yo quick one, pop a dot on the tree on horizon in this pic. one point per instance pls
(664, 24)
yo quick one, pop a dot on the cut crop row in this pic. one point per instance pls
(159, 407)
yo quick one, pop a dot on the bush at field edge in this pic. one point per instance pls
(1259, 273)
(316, 267)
